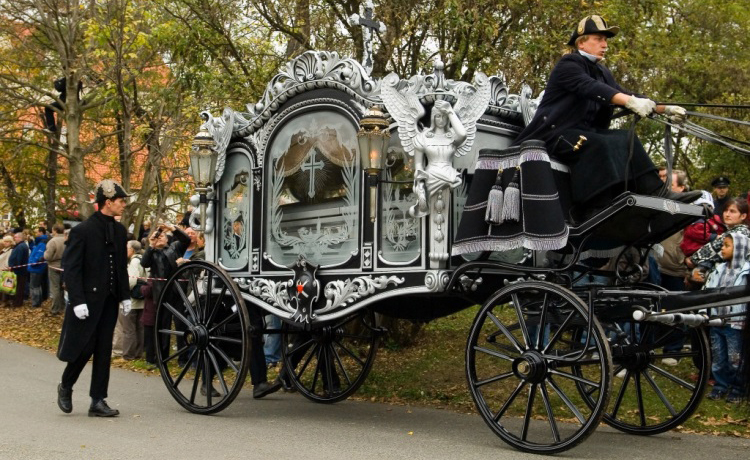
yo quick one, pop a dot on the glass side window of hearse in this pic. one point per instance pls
(235, 212)
(400, 233)
(313, 201)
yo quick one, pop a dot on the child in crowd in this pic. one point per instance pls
(704, 259)
(726, 340)
(703, 230)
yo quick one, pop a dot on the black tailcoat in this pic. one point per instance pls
(576, 102)
(88, 278)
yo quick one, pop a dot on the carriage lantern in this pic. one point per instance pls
(373, 137)
(203, 157)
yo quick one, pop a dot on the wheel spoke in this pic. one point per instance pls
(186, 301)
(221, 338)
(194, 286)
(493, 353)
(350, 353)
(510, 400)
(219, 374)
(671, 377)
(224, 356)
(317, 370)
(521, 321)
(542, 320)
(226, 320)
(566, 400)
(529, 411)
(307, 361)
(675, 355)
(172, 332)
(493, 379)
(328, 368)
(216, 304)
(576, 378)
(178, 315)
(176, 353)
(621, 394)
(341, 365)
(198, 370)
(558, 332)
(550, 413)
(660, 394)
(207, 379)
(294, 350)
(183, 371)
(639, 397)
(505, 332)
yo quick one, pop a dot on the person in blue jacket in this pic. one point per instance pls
(37, 269)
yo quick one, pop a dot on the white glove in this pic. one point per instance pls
(125, 307)
(81, 311)
(675, 113)
(641, 106)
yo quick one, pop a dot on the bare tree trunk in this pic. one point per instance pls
(50, 177)
(14, 198)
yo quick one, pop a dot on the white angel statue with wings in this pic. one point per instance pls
(451, 133)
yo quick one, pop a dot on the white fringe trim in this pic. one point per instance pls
(534, 155)
(507, 244)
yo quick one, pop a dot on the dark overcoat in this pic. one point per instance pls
(86, 274)
(577, 95)
(576, 102)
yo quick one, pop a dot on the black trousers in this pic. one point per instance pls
(100, 347)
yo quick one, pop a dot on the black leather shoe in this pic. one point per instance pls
(264, 389)
(214, 392)
(101, 409)
(65, 398)
(285, 383)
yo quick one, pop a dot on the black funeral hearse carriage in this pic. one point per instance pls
(311, 212)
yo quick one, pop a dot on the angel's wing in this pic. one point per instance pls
(528, 103)
(405, 108)
(470, 105)
(222, 135)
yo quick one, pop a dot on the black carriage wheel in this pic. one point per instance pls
(212, 342)
(519, 356)
(649, 396)
(330, 362)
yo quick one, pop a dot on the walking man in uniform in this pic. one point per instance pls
(96, 278)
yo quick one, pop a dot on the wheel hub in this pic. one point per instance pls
(636, 360)
(530, 367)
(197, 336)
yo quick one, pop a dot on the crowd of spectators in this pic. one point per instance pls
(712, 252)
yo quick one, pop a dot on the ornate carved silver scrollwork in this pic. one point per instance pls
(272, 292)
(340, 293)
(436, 280)
(313, 69)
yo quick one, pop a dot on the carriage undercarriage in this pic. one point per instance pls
(541, 369)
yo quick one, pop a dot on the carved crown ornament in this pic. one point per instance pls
(323, 69)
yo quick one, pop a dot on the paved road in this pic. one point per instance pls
(282, 426)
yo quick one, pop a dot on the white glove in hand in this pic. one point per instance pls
(641, 106)
(675, 113)
(81, 311)
(125, 307)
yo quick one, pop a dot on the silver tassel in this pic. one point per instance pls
(512, 199)
(494, 214)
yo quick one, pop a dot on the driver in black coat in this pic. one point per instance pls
(578, 105)
(96, 278)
